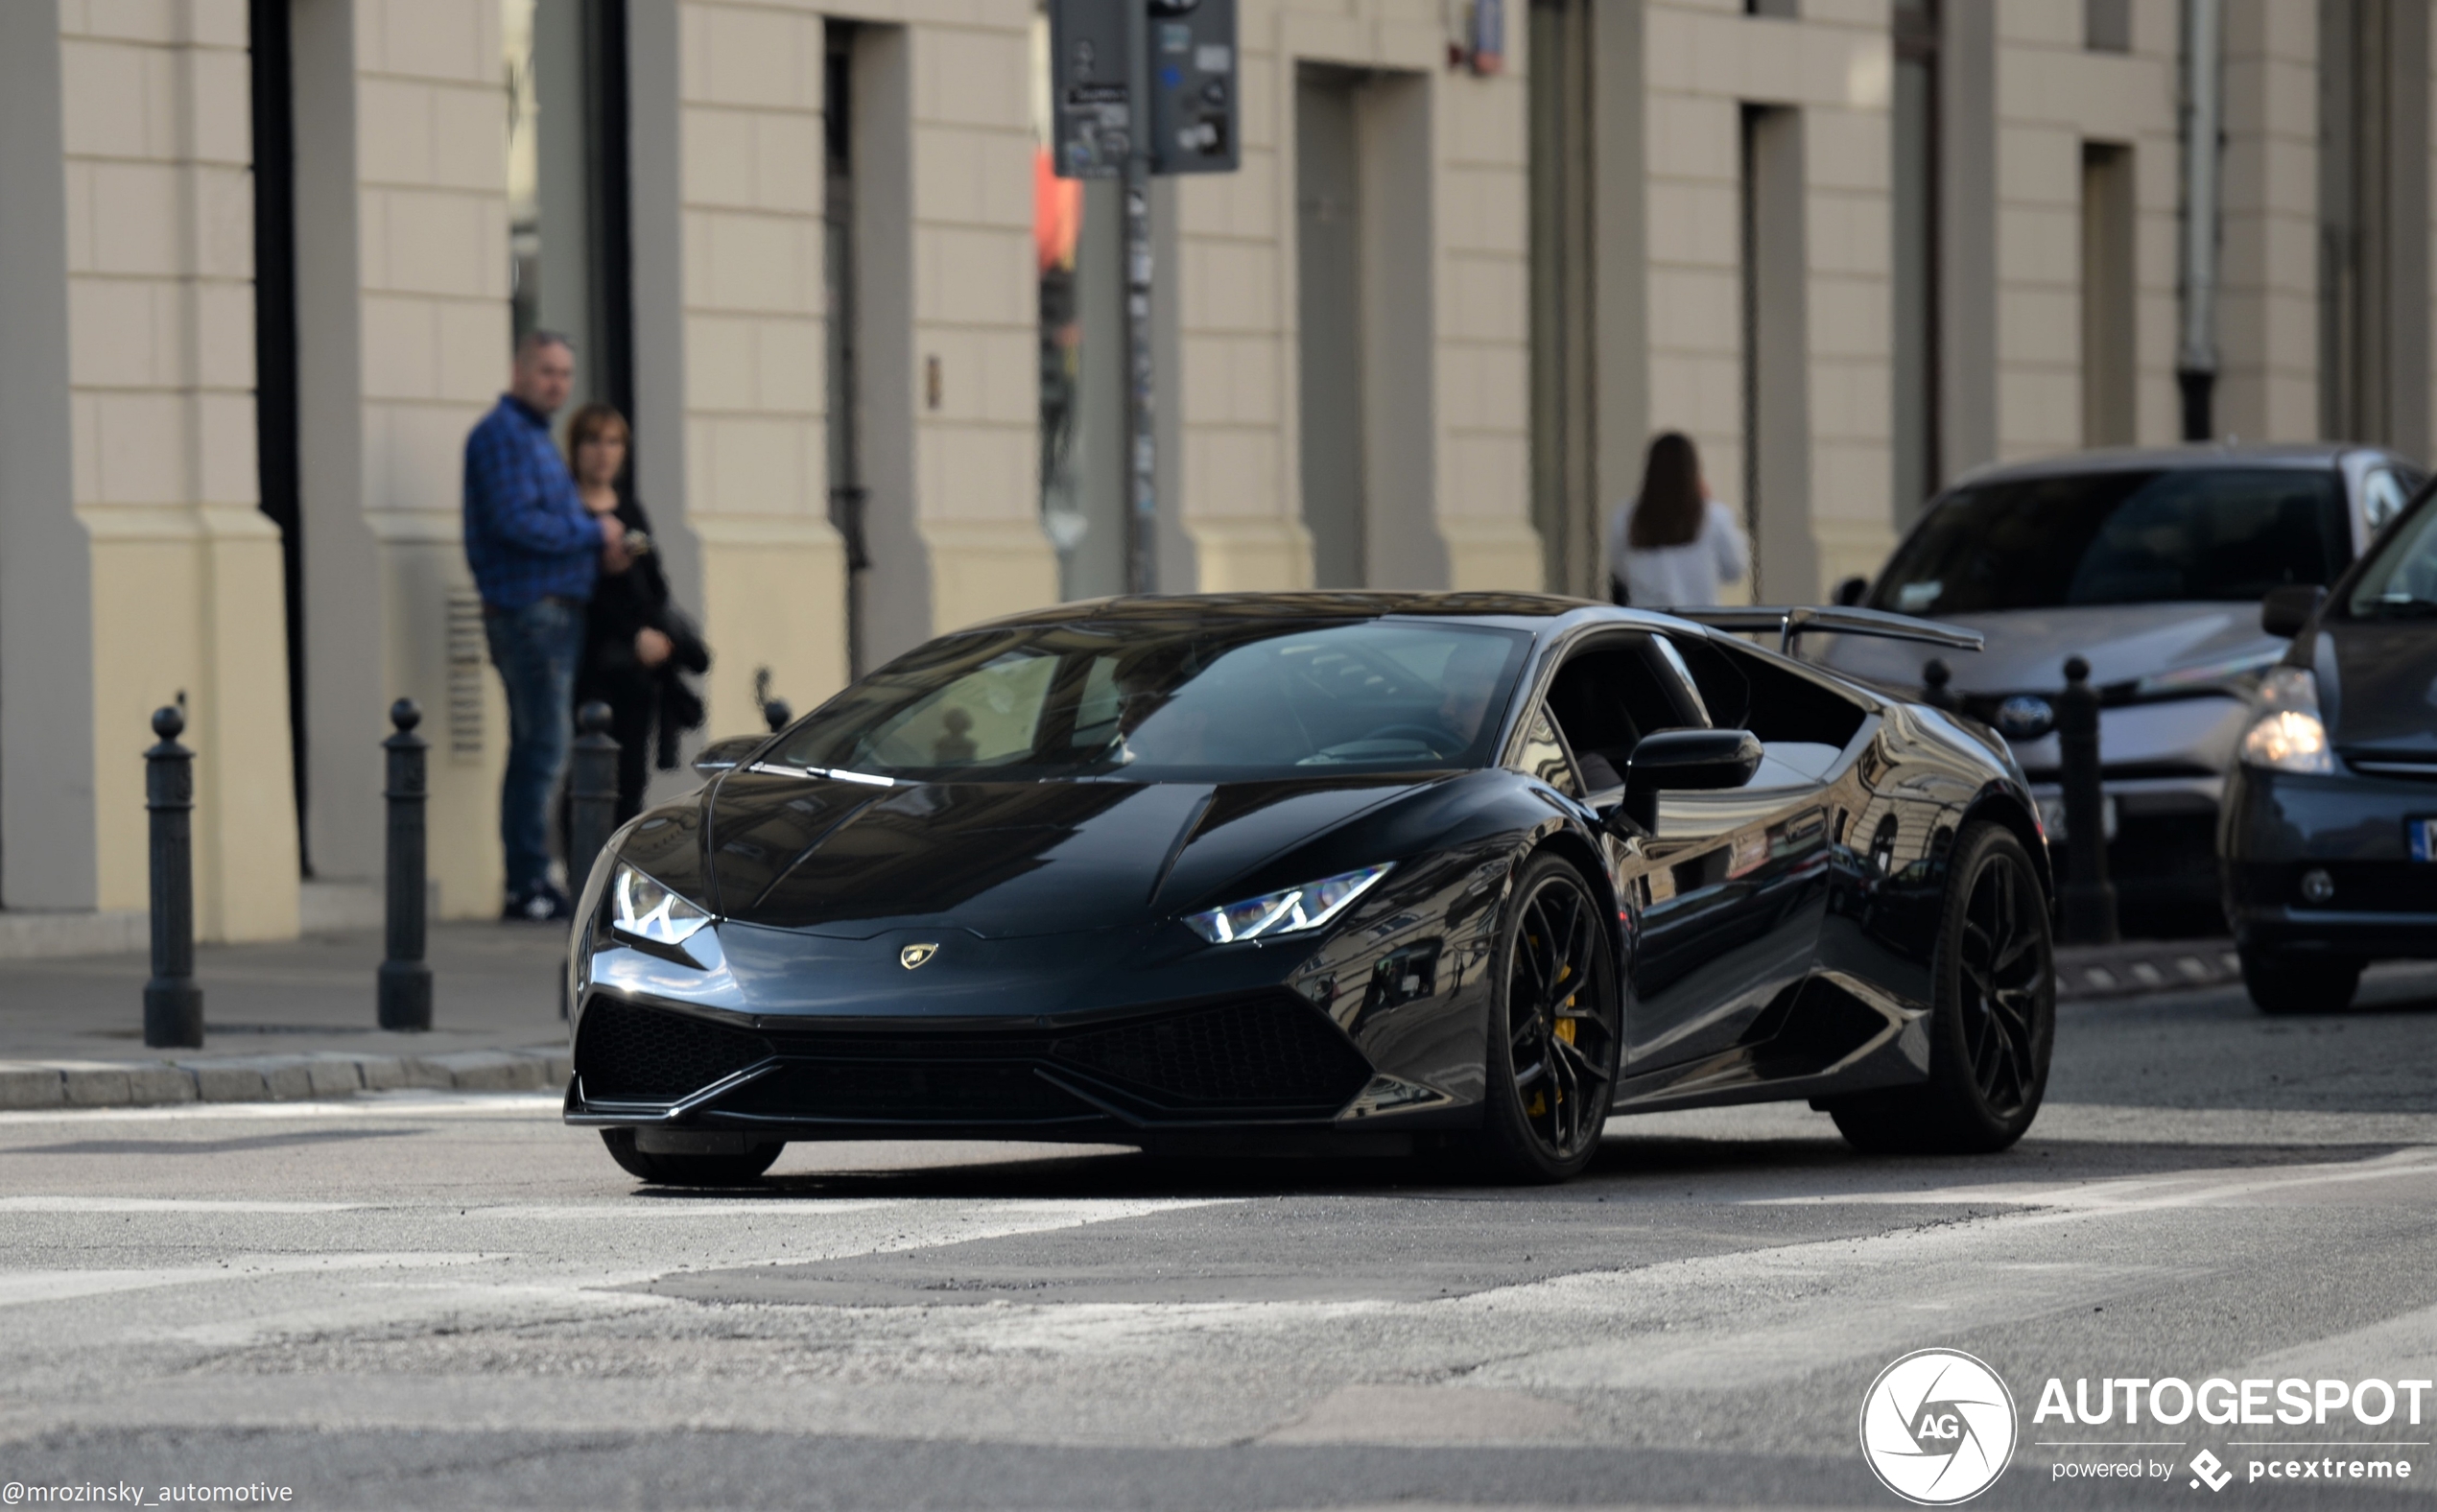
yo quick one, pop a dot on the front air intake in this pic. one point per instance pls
(630, 1054)
(1267, 1052)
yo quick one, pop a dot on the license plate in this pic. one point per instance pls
(2421, 837)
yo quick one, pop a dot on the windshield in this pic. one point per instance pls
(2399, 578)
(2184, 535)
(1187, 703)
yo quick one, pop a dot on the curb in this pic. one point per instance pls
(273, 1078)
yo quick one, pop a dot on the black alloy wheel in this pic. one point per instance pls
(1554, 1025)
(688, 1170)
(1993, 1022)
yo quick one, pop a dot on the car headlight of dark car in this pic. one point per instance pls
(2287, 734)
(1289, 910)
(645, 909)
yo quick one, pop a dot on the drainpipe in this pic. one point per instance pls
(2203, 124)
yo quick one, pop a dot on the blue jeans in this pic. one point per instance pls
(535, 649)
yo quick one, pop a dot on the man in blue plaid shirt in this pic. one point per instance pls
(535, 550)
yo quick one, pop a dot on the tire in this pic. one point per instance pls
(688, 1170)
(1541, 1118)
(2283, 984)
(1992, 1020)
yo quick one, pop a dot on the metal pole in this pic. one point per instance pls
(404, 983)
(2088, 897)
(592, 790)
(2202, 125)
(1142, 444)
(172, 1004)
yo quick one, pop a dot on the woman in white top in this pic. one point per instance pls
(1674, 546)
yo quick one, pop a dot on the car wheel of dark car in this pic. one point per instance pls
(688, 1170)
(1553, 1029)
(2282, 983)
(1993, 1019)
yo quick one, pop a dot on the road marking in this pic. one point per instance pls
(21, 1288)
(2186, 1189)
(62, 1204)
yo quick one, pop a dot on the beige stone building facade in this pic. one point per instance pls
(262, 261)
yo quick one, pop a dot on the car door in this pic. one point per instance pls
(1730, 892)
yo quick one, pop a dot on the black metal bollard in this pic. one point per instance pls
(405, 980)
(172, 1004)
(1935, 675)
(2088, 897)
(777, 714)
(592, 792)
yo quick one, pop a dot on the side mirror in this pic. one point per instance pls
(2285, 611)
(1685, 761)
(1852, 591)
(726, 755)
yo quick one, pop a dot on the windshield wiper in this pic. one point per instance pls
(835, 774)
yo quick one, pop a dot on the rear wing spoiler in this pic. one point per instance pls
(1790, 621)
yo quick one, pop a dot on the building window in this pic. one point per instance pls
(2107, 26)
(569, 257)
(1564, 504)
(1776, 358)
(2374, 58)
(1918, 287)
(2107, 295)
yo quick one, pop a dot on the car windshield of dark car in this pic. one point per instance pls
(1181, 703)
(2171, 536)
(2399, 578)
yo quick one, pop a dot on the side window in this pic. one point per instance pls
(2383, 494)
(1749, 691)
(1544, 756)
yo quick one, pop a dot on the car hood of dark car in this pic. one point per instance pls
(2026, 647)
(2383, 694)
(1009, 858)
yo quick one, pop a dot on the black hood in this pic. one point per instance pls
(2384, 687)
(1004, 860)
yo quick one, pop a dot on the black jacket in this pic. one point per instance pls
(654, 698)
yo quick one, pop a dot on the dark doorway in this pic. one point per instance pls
(276, 349)
(1329, 308)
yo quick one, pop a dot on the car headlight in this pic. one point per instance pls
(649, 911)
(2288, 735)
(1285, 911)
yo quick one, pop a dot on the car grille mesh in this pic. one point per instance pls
(1254, 1052)
(889, 1091)
(630, 1054)
(1272, 1054)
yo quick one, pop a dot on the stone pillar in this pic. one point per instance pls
(185, 571)
(47, 730)
(402, 264)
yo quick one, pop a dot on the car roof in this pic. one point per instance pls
(1532, 611)
(2173, 459)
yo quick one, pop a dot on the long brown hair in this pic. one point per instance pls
(592, 420)
(1668, 510)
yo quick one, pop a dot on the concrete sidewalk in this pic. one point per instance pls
(291, 1020)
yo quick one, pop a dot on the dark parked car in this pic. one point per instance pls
(2150, 564)
(1334, 869)
(2331, 816)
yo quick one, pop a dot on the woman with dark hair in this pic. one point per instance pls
(1674, 546)
(637, 642)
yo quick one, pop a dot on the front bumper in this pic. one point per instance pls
(789, 1035)
(2279, 827)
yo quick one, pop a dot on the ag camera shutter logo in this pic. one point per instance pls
(1937, 1427)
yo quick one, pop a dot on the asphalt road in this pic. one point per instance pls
(451, 1301)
